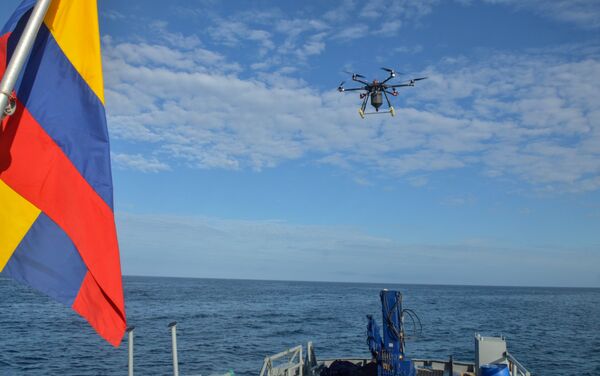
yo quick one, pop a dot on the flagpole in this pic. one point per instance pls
(21, 54)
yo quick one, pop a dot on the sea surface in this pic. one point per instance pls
(233, 324)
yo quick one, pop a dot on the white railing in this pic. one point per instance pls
(287, 363)
(311, 358)
(516, 368)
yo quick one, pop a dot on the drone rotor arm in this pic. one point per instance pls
(387, 79)
(410, 82)
(359, 80)
(392, 73)
(398, 85)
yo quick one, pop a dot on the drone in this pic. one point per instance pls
(375, 90)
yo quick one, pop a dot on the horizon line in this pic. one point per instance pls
(368, 282)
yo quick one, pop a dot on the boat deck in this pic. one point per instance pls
(425, 367)
(294, 362)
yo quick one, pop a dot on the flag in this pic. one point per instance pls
(57, 228)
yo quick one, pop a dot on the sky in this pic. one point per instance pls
(234, 156)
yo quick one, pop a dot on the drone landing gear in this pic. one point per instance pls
(392, 111)
(363, 114)
(361, 110)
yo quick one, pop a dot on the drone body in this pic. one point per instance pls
(375, 91)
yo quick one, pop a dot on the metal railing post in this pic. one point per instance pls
(173, 327)
(301, 362)
(129, 331)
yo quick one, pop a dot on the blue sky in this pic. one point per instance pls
(234, 156)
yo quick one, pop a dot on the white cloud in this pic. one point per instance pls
(537, 113)
(527, 115)
(351, 32)
(458, 200)
(138, 162)
(291, 38)
(389, 28)
(418, 181)
(583, 13)
(175, 54)
(313, 46)
(162, 33)
(113, 15)
(296, 26)
(205, 247)
(408, 49)
(231, 33)
(397, 10)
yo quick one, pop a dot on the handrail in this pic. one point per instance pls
(297, 365)
(515, 367)
(292, 366)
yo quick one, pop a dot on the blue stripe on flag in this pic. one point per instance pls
(47, 260)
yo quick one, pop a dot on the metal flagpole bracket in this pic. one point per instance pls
(11, 106)
(8, 103)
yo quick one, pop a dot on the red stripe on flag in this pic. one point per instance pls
(91, 304)
(34, 166)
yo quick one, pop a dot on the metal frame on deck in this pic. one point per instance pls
(292, 363)
(287, 363)
(516, 368)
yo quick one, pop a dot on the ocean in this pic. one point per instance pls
(233, 324)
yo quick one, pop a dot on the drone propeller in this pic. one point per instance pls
(341, 86)
(355, 74)
(391, 71)
(412, 81)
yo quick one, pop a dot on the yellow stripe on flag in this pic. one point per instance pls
(16, 217)
(74, 25)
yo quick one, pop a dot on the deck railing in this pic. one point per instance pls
(291, 363)
(287, 363)
(516, 368)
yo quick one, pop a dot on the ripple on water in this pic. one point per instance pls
(226, 324)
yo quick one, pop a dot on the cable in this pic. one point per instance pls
(388, 317)
(413, 315)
